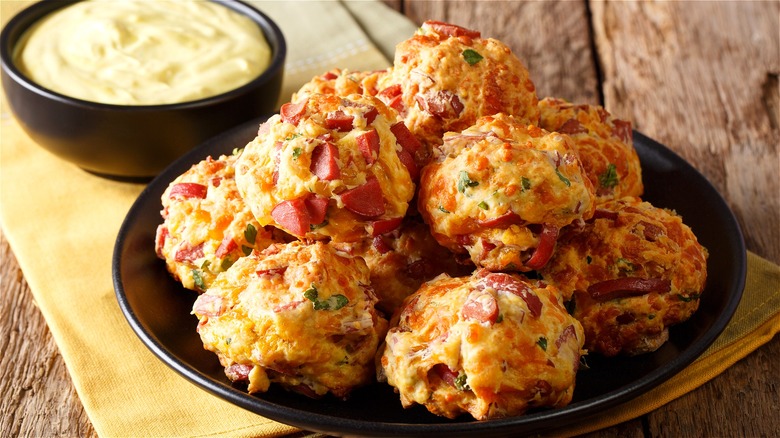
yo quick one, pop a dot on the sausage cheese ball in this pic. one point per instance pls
(341, 83)
(605, 145)
(328, 167)
(301, 316)
(501, 190)
(206, 225)
(631, 272)
(445, 77)
(401, 260)
(491, 345)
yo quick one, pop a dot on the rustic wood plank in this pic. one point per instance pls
(38, 396)
(551, 38)
(702, 78)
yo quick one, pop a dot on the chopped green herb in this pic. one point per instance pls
(198, 279)
(624, 265)
(444, 210)
(228, 341)
(542, 342)
(689, 298)
(313, 227)
(651, 316)
(500, 318)
(588, 259)
(563, 178)
(296, 153)
(483, 205)
(609, 178)
(471, 56)
(250, 234)
(464, 181)
(246, 250)
(460, 383)
(205, 265)
(334, 302)
(227, 262)
(526, 183)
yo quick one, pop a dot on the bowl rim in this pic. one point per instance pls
(24, 19)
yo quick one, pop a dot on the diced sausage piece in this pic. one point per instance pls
(293, 216)
(292, 112)
(444, 104)
(567, 333)
(627, 287)
(408, 161)
(392, 97)
(507, 283)
(339, 120)
(208, 305)
(503, 221)
(605, 214)
(316, 207)
(238, 372)
(405, 138)
(383, 226)
(271, 272)
(370, 114)
(450, 30)
(572, 126)
(368, 144)
(651, 231)
(544, 250)
(329, 76)
(324, 162)
(445, 373)
(159, 240)
(187, 253)
(227, 246)
(188, 190)
(623, 131)
(380, 245)
(422, 269)
(365, 200)
(480, 306)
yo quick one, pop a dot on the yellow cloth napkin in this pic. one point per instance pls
(62, 222)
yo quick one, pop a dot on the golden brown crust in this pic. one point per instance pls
(494, 188)
(206, 224)
(604, 143)
(491, 345)
(298, 315)
(629, 240)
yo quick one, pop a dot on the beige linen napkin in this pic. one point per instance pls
(62, 222)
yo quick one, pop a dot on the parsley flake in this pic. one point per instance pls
(250, 234)
(471, 56)
(460, 382)
(483, 205)
(227, 262)
(246, 250)
(444, 210)
(296, 153)
(198, 279)
(334, 302)
(313, 227)
(689, 298)
(542, 342)
(563, 178)
(464, 181)
(609, 178)
(526, 183)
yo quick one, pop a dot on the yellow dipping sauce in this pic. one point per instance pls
(141, 52)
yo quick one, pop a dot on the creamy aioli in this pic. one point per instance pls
(141, 52)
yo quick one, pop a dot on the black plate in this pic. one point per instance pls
(158, 309)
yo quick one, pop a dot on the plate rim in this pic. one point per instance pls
(533, 422)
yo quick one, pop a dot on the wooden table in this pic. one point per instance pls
(700, 77)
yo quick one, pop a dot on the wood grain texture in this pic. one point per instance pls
(38, 398)
(702, 78)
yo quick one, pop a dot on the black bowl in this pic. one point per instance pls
(158, 309)
(132, 141)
